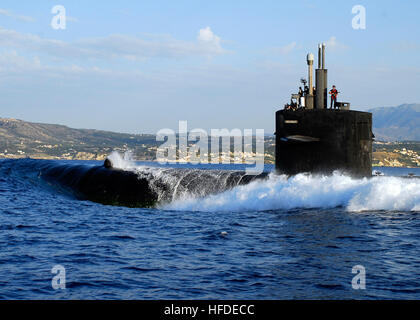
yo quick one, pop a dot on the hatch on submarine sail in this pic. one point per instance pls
(312, 138)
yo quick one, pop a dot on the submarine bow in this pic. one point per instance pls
(140, 186)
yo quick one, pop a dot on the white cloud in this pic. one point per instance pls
(116, 46)
(11, 61)
(207, 36)
(209, 41)
(333, 44)
(9, 14)
(13, 64)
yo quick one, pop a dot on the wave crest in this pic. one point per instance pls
(312, 191)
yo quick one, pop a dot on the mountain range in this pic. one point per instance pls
(400, 123)
(20, 138)
(38, 140)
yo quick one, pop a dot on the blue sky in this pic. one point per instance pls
(140, 66)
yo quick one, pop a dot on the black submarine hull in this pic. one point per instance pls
(111, 186)
(102, 185)
(321, 141)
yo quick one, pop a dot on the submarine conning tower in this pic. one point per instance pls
(312, 138)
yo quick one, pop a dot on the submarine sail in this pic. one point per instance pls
(312, 138)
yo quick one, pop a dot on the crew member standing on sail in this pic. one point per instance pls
(334, 94)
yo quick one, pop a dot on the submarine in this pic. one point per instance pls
(312, 138)
(148, 187)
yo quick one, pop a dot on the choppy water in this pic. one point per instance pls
(274, 239)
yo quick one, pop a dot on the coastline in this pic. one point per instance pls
(381, 159)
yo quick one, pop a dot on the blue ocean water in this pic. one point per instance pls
(295, 238)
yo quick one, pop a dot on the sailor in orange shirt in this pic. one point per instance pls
(334, 94)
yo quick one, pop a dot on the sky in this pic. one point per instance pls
(141, 66)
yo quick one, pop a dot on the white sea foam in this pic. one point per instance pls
(310, 191)
(190, 190)
(124, 162)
